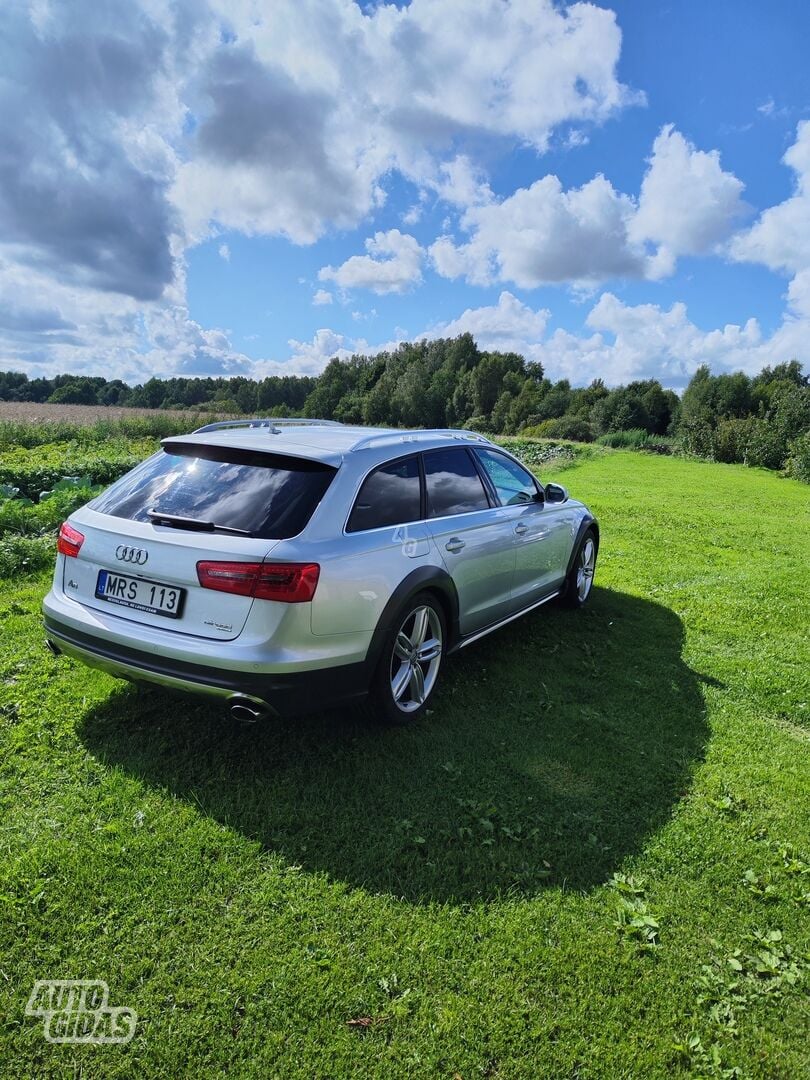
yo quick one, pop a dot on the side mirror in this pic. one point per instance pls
(556, 493)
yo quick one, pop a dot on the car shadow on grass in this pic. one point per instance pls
(553, 750)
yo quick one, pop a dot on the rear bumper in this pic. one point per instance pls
(283, 694)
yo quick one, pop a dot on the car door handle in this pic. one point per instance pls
(454, 544)
(521, 530)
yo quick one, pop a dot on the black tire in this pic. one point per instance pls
(383, 707)
(572, 595)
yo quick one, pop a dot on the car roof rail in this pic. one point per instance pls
(270, 422)
(419, 435)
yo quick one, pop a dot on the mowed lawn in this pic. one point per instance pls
(320, 898)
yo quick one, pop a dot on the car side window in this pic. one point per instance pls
(511, 481)
(390, 495)
(452, 483)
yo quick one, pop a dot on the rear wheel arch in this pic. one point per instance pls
(410, 661)
(429, 579)
(449, 608)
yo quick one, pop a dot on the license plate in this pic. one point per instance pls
(150, 596)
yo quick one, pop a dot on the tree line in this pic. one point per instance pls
(760, 420)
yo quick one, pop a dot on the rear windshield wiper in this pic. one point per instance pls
(175, 521)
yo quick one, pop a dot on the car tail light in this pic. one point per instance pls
(70, 541)
(292, 583)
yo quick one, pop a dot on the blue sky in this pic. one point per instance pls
(620, 190)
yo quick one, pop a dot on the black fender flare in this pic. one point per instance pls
(423, 577)
(589, 522)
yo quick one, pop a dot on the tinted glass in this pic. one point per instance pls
(268, 495)
(453, 483)
(511, 482)
(389, 496)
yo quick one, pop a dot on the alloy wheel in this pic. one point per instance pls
(585, 569)
(415, 659)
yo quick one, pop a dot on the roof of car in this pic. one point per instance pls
(325, 442)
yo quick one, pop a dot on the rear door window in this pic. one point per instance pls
(269, 496)
(452, 483)
(390, 495)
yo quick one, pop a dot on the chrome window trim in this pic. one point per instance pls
(359, 487)
(416, 521)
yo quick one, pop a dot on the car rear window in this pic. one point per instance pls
(270, 496)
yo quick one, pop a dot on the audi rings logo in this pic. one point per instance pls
(131, 554)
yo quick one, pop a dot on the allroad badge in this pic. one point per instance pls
(138, 556)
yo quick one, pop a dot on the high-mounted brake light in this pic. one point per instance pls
(292, 583)
(70, 541)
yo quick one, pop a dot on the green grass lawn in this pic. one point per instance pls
(596, 846)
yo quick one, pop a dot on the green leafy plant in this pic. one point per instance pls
(635, 922)
(705, 1063)
(761, 885)
(27, 528)
(41, 469)
(730, 985)
(798, 462)
(25, 554)
(727, 803)
(67, 483)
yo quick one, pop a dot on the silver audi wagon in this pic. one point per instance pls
(285, 566)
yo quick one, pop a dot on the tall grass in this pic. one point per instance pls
(636, 439)
(16, 433)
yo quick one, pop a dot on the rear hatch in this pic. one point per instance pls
(148, 574)
(144, 537)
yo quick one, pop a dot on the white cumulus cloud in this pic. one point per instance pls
(131, 130)
(310, 357)
(780, 238)
(508, 326)
(545, 234)
(688, 204)
(393, 265)
(621, 342)
(798, 295)
(291, 140)
(461, 183)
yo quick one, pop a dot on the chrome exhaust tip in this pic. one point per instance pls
(52, 647)
(248, 710)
